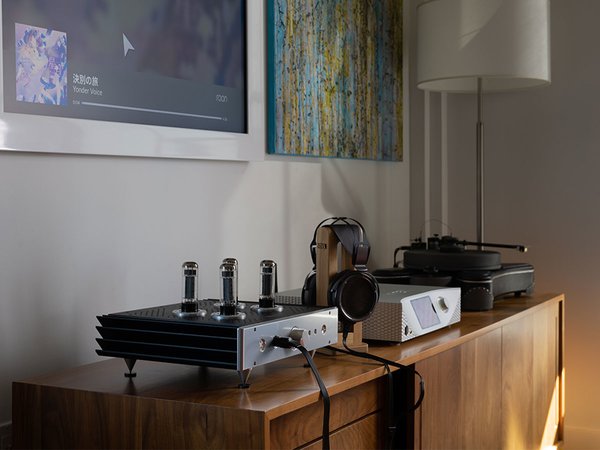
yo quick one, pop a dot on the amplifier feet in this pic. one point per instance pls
(244, 375)
(130, 363)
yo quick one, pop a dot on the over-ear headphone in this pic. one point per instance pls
(354, 291)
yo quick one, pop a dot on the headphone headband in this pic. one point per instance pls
(352, 236)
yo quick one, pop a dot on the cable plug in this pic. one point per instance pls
(284, 342)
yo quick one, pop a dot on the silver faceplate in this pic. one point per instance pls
(395, 319)
(255, 342)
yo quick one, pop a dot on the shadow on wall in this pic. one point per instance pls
(281, 206)
(376, 194)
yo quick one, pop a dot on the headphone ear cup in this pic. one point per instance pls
(355, 294)
(309, 289)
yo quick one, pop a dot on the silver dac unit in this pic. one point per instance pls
(406, 311)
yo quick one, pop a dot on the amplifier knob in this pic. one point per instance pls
(299, 335)
(262, 344)
(443, 305)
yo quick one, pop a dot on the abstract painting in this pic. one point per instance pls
(335, 78)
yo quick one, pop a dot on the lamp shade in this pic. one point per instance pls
(505, 43)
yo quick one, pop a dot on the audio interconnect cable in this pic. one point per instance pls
(288, 342)
(387, 363)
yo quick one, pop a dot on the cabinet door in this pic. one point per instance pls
(349, 410)
(462, 401)
(361, 434)
(531, 383)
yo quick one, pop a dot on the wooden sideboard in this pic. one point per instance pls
(493, 380)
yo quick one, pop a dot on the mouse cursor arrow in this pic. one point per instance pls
(126, 45)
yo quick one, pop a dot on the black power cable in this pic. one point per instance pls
(383, 361)
(287, 342)
(387, 363)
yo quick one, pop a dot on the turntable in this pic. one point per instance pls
(446, 261)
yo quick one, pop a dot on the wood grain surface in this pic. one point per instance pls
(178, 406)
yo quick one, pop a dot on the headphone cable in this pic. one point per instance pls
(289, 342)
(385, 362)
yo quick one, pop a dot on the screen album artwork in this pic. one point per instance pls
(41, 65)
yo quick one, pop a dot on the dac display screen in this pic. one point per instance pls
(174, 63)
(425, 313)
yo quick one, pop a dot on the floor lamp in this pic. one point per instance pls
(477, 46)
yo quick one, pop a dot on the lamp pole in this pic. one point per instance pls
(479, 162)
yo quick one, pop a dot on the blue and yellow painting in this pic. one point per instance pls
(335, 78)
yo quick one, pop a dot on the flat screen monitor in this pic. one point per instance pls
(169, 78)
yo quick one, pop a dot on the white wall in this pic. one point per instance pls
(542, 189)
(82, 236)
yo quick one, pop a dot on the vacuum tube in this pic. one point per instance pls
(234, 261)
(268, 287)
(229, 289)
(268, 277)
(189, 291)
(189, 297)
(228, 305)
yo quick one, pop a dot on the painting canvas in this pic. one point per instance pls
(335, 78)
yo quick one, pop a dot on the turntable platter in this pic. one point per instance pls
(443, 261)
